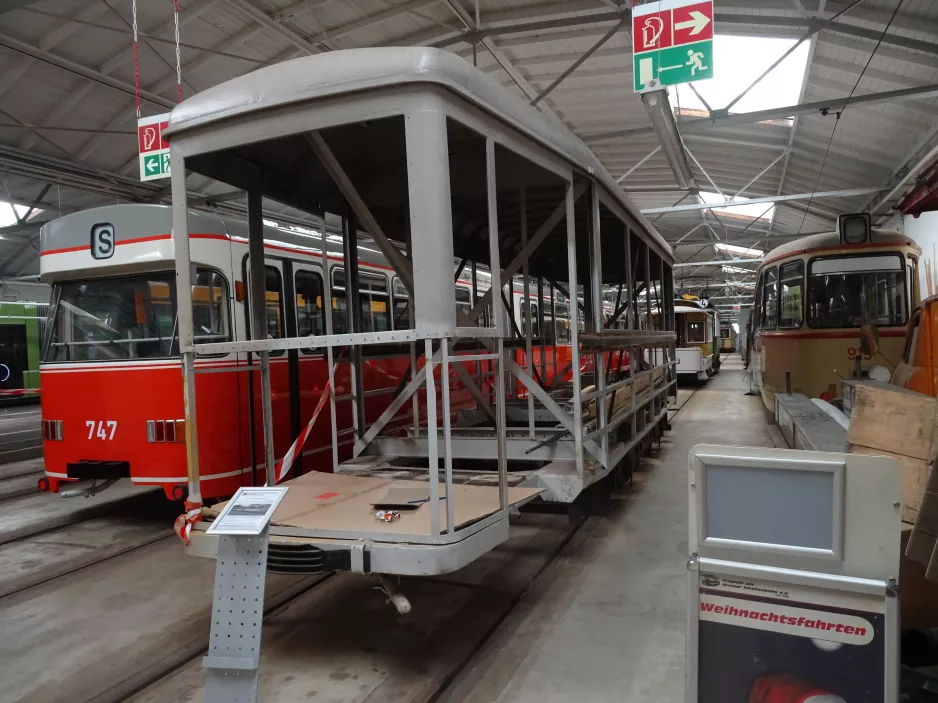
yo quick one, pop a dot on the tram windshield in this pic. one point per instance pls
(132, 317)
(851, 291)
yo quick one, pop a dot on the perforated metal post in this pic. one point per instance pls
(234, 649)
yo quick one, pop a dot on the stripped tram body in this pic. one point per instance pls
(813, 296)
(112, 342)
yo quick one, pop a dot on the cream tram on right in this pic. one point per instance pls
(815, 296)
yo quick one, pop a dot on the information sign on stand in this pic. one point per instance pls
(793, 576)
(672, 43)
(231, 666)
(154, 150)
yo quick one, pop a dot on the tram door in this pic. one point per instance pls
(280, 311)
(312, 372)
(13, 356)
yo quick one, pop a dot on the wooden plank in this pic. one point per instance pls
(895, 420)
(914, 477)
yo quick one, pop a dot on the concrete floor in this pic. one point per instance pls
(606, 622)
(20, 431)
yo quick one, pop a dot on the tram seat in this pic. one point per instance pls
(805, 426)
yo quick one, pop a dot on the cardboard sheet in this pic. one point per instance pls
(321, 501)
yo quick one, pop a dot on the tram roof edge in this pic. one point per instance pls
(831, 240)
(335, 73)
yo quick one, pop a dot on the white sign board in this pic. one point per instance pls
(154, 150)
(248, 512)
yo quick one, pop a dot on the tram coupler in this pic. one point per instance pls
(93, 490)
(397, 599)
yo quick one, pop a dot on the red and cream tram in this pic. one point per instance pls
(112, 401)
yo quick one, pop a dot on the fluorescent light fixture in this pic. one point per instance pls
(736, 269)
(662, 121)
(741, 251)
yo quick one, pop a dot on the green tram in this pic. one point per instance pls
(21, 328)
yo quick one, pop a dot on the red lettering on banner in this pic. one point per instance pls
(693, 23)
(652, 31)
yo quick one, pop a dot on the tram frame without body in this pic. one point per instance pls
(813, 297)
(436, 163)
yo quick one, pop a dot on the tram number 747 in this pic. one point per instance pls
(102, 429)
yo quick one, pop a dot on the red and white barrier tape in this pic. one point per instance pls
(20, 391)
(184, 523)
(286, 463)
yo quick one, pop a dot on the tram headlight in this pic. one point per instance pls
(878, 372)
(854, 229)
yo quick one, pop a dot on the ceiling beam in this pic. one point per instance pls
(80, 70)
(720, 119)
(251, 10)
(769, 199)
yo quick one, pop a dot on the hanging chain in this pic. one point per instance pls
(178, 60)
(136, 61)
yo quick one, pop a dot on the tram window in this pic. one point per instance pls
(401, 318)
(851, 291)
(791, 297)
(535, 330)
(309, 311)
(696, 331)
(463, 302)
(770, 300)
(133, 317)
(273, 290)
(374, 300)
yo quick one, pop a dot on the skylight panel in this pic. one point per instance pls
(741, 60)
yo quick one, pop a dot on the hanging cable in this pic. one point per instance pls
(840, 112)
(136, 61)
(178, 60)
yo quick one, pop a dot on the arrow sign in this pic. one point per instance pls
(696, 24)
(153, 167)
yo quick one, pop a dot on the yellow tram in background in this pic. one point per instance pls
(727, 339)
(698, 338)
(814, 295)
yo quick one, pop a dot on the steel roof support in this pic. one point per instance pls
(735, 142)
(629, 172)
(125, 114)
(116, 60)
(761, 173)
(250, 10)
(769, 199)
(717, 119)
(814, 29)
(78, 69)
(502, 60)
(720, 262)
(579, 62)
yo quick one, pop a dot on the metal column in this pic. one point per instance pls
(528, 319)
(596, 293)
(574, 331)
(258, 298)
(184, 311)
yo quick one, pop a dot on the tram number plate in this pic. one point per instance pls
(101, 429)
